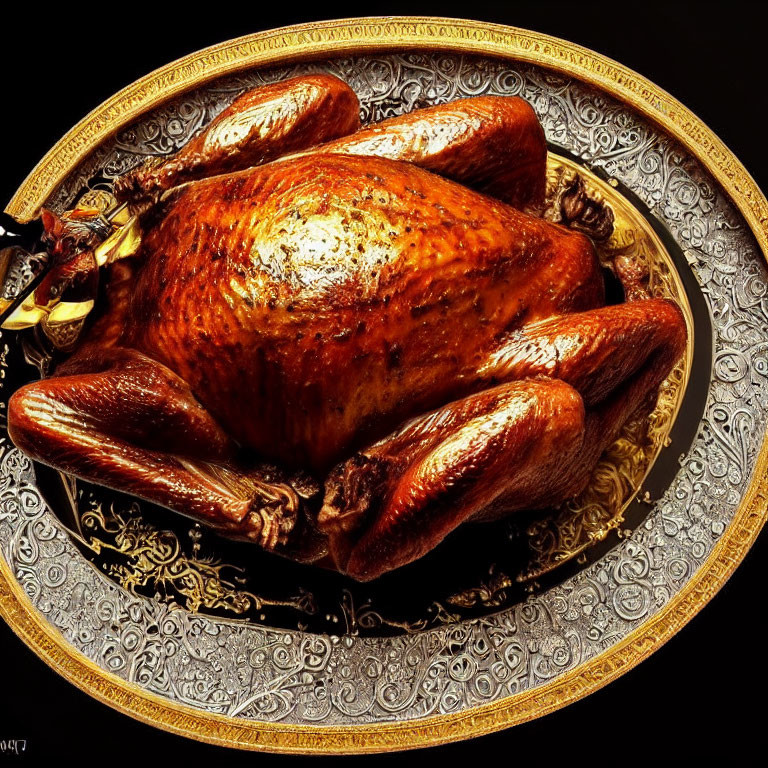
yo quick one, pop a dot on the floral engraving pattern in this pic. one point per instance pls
(252, 672)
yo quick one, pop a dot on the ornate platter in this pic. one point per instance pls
(170, 624)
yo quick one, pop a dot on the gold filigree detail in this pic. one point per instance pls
(150, 557)
(363, 616)
(490, 594)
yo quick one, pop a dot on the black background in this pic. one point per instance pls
(699, 696)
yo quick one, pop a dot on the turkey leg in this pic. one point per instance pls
(594, 351)
(636, 349)
(494, 144)
(417, 485)
(131, 424)
(526, 444)
(259, 126)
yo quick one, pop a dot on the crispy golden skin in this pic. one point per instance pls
(345, 288)
(430, 353)
(258, 126)
(494, 144)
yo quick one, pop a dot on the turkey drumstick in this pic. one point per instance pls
(257, 127)
(494, 144)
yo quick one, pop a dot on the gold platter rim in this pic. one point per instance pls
(358, 36)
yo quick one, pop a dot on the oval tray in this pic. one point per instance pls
(248, 685)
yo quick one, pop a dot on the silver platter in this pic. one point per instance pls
(248, 671)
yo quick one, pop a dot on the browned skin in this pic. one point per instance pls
(395, 500)
(258, 126)
(260, 283)
(494, 144)
(305, 309)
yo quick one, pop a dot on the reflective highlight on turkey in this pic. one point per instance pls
(429, 353)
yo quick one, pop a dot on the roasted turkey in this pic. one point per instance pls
(369, 307)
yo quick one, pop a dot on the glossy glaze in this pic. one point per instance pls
(257, 127)
(494, 144)
(347, 288)
(430, 354)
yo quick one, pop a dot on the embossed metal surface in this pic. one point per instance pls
(291, 677)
